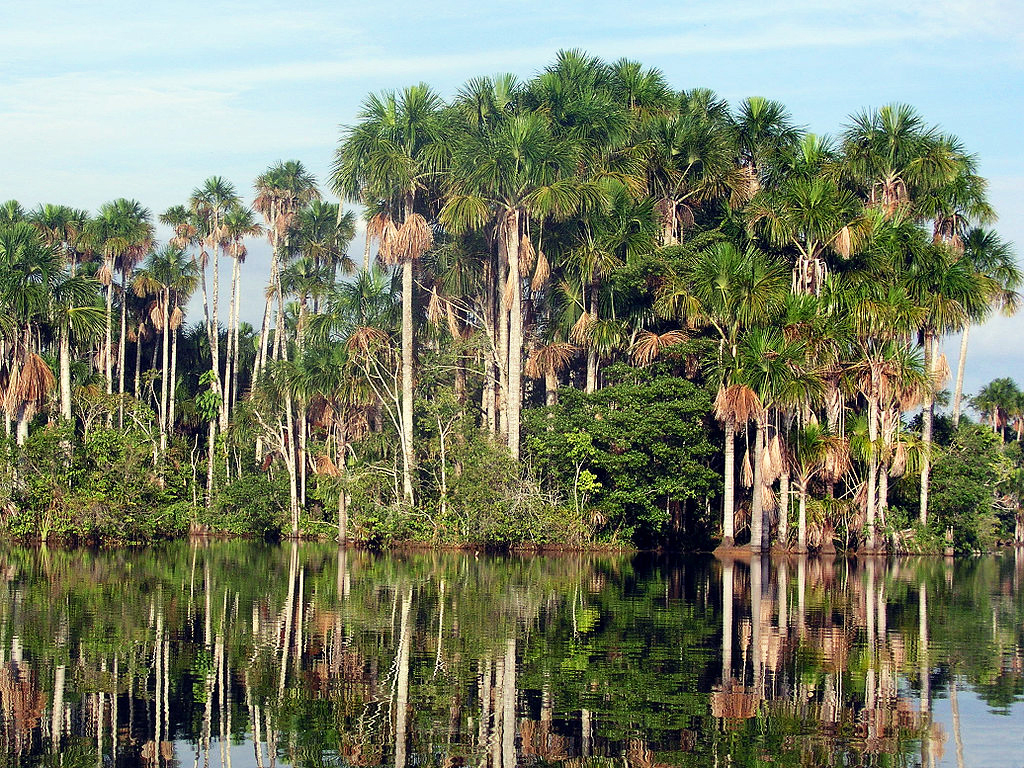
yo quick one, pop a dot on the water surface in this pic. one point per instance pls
(241, 655)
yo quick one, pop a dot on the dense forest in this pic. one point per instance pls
(590, 308)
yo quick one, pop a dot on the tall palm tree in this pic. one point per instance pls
(211, 204)
(281, 191)
(992, 257)
(775, 368)
(502, 179)
(730, 291)
(895, 158)
(122, 233)
(239, 223)
(388, 158)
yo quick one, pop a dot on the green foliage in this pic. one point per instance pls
(253, 505)
(100, 488)
(631, 454)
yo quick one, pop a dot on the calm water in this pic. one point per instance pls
(240, 655)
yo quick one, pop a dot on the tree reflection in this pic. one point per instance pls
(316, 655)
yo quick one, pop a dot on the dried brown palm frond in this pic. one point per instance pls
(649, 345)
(844, 242)
(541, 272)
(747, 470)
(435, 307)
(899, 460)
(321, 413)
(414, 237)
(29, 385)
(324, 465)
(366, 338)
(508, 293)
(240, 252)
(455, 328)
(837, 459)
(774, 460)
(381, 228)
(204, 259)
(156, 314)
(583, 329)
(737, 403)
(527, 256)
(551, 358)
(104, 274)
(177, 318)
(769, 501)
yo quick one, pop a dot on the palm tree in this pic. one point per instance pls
(895, 159)
(775, 369)
(730, 291)
(809, 450)
(239, 223)
(992, 257)
(211, 204)
(387, 159)
(122, 233)
(951, 293)
(503, 178)
(281, 191)
(171, 277)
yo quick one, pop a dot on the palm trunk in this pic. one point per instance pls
(515, 338)
(757, 506)
(165, 369)
(801, 529)
(407, 331)
(591, 350)
(121, 341)
(215, 337)
(261, 354)
(550, 387)
(961, 366)
(172, 381)
(65, 372)
(927, 416)
(784, 510)
(107, 357)
(402, 688)
(872, 480)
(138, 363)
(729, 491)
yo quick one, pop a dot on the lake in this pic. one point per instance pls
(236, 655)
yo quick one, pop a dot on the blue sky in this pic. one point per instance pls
(107, 99)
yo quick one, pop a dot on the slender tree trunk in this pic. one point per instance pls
(591, 350)
(408, 455)
(138, 363)
(961, 366)
(165, 368)
(729, 487)
(261, 354)
(65, 372)
(211, 434)
(121, 341)
(927, 415)
(757, 507)
(801, 531)
(784, 510)
(222, 421)
(515, 336)
(550, 387)
(108, 358)
(504, 315)
(872, 480)
(172, 381)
